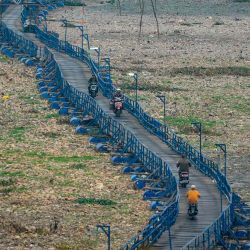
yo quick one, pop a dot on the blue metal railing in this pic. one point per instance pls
(214, 232)
(4, 5)
(152, 232)
(21, 44)
(205, 165)
(152, 125)
(152, 163)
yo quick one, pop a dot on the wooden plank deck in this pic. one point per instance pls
(77, 74)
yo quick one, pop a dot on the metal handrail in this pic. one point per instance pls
(205, 165)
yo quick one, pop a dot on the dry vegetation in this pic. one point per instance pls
(200, 62)
(54, 188)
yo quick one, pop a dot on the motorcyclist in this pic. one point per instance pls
(117, 94)
(93, 81)
(183, 165)
(193, 196)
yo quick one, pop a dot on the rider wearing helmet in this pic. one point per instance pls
(193, 196)
(118, 93)
(183, 164)
(92, 79)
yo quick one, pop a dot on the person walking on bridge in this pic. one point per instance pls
(193, 196)
(183, 165)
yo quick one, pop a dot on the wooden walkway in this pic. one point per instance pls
(77, 74)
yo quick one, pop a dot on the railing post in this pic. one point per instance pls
(208, 239)
(203, 240)
(221, 205)
(170, 239)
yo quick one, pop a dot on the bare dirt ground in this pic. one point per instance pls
(45, 168)
(201, 62)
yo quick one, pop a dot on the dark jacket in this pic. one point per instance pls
(183, 165)
(92, 79)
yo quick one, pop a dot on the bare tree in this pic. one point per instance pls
(142, 13)
(142, 7)
(119, 7)
(153, 3)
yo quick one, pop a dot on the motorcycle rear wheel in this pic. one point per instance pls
(118, 113)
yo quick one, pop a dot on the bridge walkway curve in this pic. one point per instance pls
(77, 74)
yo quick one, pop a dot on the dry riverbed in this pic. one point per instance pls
(200, 62)
(54, 188)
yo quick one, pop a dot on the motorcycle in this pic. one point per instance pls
(192, 210)
(118, 106)
(184, 179)
(93, 90)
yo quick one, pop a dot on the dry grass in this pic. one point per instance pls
(201, 67)
(45, 168)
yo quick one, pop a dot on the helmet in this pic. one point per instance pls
(193, 187)
(118, 90)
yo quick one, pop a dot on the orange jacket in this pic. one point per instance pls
(193, 196)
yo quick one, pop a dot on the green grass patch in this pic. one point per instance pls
(236, 102)
(36, 154)
(184, 124)
(208, 144)
(3, 58)
(242, 107)
(14, 190)
(60, 158)
(67, 159)
(139, 97)
(145, 87)
(245, 128)
(125, 209)
(50, 116)
(64, 246)
(30, 99)
(201, 71)
(167, 81)
(12, 151)
(12, 174)
(51, 134)
(60, 174)
(7, 182)
(18, 133)
(103, 202)
(182, 121)
(54, 168)
(66, 183)
(79, 166)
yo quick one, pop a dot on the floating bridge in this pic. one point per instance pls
(63, 73)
